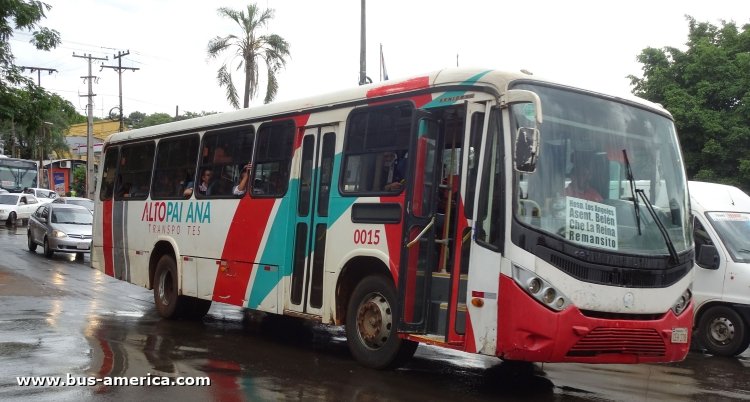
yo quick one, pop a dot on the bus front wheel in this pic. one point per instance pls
(723, 332)
(371, 325)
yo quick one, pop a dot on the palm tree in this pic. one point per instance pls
(251, 48)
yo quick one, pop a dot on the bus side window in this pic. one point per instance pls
(272, 159)
(375, 149)
(224, 154)
(108, 174)
(134, 175)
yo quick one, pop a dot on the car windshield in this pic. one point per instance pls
(734, 230)
(8, 199)
(72, 217)
(84, 203)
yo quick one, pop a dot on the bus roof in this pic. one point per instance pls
(494, 80)
(707, 197)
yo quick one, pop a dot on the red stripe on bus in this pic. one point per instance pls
(243, 242)
(403, 86)
(107, 237)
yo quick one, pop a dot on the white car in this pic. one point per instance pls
(15, 206)
(42, 194)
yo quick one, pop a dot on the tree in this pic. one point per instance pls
(23, 15)
(707, 90)
(250, 49)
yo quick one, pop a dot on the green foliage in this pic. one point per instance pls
(251, 48)
(78, 184)
(707, 89)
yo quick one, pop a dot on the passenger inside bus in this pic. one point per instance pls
(391, 172)
(241, 187)
(580, 183)
(206, 184)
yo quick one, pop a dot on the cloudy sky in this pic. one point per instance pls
(591, 44)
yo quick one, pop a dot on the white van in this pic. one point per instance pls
(721, 286)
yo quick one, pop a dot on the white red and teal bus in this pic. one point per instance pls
(476, 248)
(17, 174)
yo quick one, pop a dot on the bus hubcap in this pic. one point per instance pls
(374, 321)
(722, 330)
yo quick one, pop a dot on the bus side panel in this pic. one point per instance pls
(107, 237)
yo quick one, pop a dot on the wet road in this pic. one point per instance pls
(60, 318)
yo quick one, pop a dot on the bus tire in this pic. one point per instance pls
(371, 325)
(723, 332)
(168, 302)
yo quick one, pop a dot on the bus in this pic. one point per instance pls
(426, 210)
(17, 174)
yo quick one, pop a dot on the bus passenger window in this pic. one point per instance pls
(376, 144)
(224, 155)
(273, 159)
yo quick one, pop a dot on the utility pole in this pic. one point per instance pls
(90, 128)
(119, 69)
(362, 49)
(38, 71)
(41, 182)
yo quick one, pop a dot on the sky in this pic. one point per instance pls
(589, 44)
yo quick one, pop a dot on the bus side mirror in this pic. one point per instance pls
(526, 149)
(708, 257)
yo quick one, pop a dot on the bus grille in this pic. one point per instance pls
(642, 342)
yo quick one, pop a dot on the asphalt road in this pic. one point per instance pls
(63, 320)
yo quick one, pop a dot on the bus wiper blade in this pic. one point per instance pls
(662, 229)
(631, 179)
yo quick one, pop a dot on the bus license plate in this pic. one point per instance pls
(679, 335)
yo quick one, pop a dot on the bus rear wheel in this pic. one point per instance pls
(723, 332)
(371, 325)
(169, 303)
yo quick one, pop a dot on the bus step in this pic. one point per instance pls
(439, 318)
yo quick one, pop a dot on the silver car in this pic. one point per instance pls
(61, 227)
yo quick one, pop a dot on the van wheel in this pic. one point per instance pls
(722, 331)
(32, 245)
(371, 325)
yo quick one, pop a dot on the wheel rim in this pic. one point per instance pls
(165, 287)
(374, 321)
(722, 330)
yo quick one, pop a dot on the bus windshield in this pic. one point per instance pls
(15, 174)
(608, 175)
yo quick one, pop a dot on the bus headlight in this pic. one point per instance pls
(58, 233)
(682, 302)
(540, 289)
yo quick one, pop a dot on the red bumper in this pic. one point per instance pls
(529, 331)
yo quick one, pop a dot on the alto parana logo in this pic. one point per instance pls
(177, 212)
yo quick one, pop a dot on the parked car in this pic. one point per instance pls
(15, 206)
(61, 227)
(721, 229)
(84, 202)
(4, 191)
(42, 194)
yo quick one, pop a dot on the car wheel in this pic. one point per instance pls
(47, 250)
(32, 245)
(723, 332)
(11, 221)
(371, 325)
(79, 256)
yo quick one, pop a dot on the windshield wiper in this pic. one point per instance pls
(660, 225)
(631, 179)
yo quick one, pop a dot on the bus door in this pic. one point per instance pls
(419, 256)
(314, 187)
